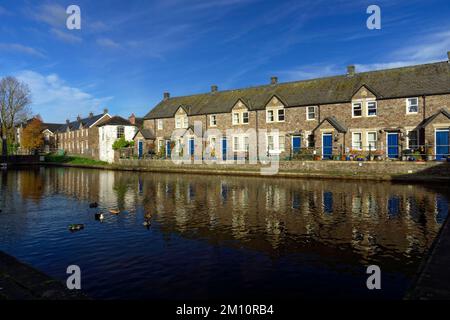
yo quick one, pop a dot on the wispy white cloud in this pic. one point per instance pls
(108, 43)
(66, 36)
(19, 48)
(310, 72)
(55, 100)
(49, 13)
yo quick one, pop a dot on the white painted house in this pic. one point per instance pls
(111, 130)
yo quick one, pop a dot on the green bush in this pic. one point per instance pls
(304, 154)
(121, 143)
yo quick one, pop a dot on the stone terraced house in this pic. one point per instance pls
(81, 137)
(390, 111)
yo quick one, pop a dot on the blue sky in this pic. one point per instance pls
(129, 52)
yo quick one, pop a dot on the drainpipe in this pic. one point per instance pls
(257, 135)
(318, 112)
(424, 107)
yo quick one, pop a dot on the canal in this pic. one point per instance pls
(219, 237)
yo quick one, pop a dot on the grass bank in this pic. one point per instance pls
(52, 158)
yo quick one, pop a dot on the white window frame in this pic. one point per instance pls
(368, 141)
(273, 115)
(278, 115)
(276, 142)
(236, 118)
(181, 122)
(307, 113)
(353, 109)
(123, 132)
(241, 143)
(367, 108)
(242, 117)
(361, 140)
(213, 120)
(159, 124)
(408, 105)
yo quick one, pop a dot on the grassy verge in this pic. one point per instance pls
(72, 160)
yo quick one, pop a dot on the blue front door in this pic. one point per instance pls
(327, 146)
(191, 147)
(168, 150)
(392, 145)
(140, 149)
(296, 144)
(224, 149)
(442, 144)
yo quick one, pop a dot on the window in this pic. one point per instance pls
(245, 117)
(120, 132)
(160, 124)
(246, 144)
(413, 139)
(160, 144)
(357, 110)
(212, 143)
(311, 113)
(275, 115)
(372, 140)
(270, 143)
(371, 108)
(280, 115)
(357, 140)
(412, 105)
(270, 117)
(181, 122)
(236, 146)
(213, 120)
(235, 118)
(310, 138)
(281, 143)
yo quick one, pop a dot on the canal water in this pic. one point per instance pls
(217, 237)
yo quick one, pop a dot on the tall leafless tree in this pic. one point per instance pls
(15, 100)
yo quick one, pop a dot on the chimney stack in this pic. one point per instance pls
(78, 118)
(351, 70)
(91, 115)
(67, 121)
(105, 111)
(132, 119)
(166, 95)
(214, 88)
(448, 56)
(273, 80)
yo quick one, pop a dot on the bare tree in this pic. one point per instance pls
(15, 100)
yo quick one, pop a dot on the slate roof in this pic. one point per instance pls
(116, 121)
(146, 133)
(87, 122)
(427, 121)
(427, 79)
(53, 127)
(336, 124)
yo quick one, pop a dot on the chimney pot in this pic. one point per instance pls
(214, 88)
(105, 111)
(166, 95)
(351, 70)
(132, 119)
(273, 80)
(78, 118)
(448, 56)
(67, 121)
(91, 115)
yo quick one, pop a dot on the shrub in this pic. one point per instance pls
(121, 143)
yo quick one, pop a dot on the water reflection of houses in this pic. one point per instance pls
(271, 215)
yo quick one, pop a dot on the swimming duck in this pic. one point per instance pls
(147, 223)
(99, 216)
(93, 205)
(114, 211)
(76, 227)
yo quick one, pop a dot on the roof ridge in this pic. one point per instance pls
(307, 80)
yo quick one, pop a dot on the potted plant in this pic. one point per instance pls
(430, 154)
(378, 155)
